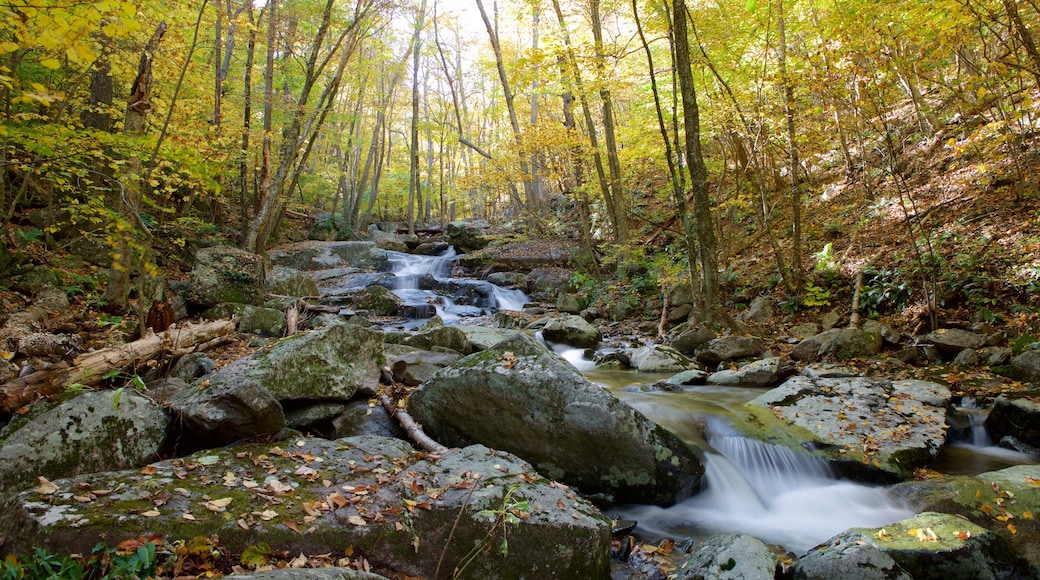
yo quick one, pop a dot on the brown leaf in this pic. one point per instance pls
(292, 526)
(148, 470)
(46, 487)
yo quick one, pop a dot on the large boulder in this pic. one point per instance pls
(659, 359)
(840, 343)
(224, 408)
(953, 340)
(224, 274)
(443, 337)
(467, 236)
(872, 428)
(483, 337)
(1005, 502)
(730, 557)
(1027, 365)
(308, 256)
(412, 366)
(405, 512)
(1016, 417)
(759, 373)
(925, 547)
(290, 282)
(728, 348)
(571, 330)
(97, 431)
(688, 340)
(519, 397)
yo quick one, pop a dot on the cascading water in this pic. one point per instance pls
(971, 450)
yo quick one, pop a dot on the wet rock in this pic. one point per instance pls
(840, 343)
(448, 337)
(730, 557)
(568, 303)
(507, 279)
(659, 359)
(354, 496)
(690, 377)
(996, 500)
(953, 340)
(871, 428)
(830, 320)
(290, 282)
(192, 366)
(939, 546)
(251, 319)
(760, 373)
(309, 256)
(828, 371)
(431, 248)
(519, 397)
(223, 274)
(571, 330)
(729, 348)
(688, 340)
(847, 557)
(1015, 417)
(95, 431)
(307, 416)
(1027, 365)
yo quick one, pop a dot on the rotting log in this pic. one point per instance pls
(90, 368)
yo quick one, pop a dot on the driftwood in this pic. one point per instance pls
(409, 425)
(90, 368)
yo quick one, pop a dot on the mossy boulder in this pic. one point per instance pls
(839, 343)
(259, 320)
(730, 557)
(376, 300)
(519, 397)
(290, 282)
(314, 255)
(224, 274)
(95, 431)
(871, 429)
(571, 330)
(403, 511)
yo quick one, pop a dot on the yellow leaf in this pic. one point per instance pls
(1027, 515)
(46, 487)
(188, 516)
(150, 514)
(1011, 528)
(9, 46)
(51, 63)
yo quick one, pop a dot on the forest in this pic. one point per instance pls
(776, 133)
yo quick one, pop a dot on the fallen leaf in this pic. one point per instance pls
(150, 514)
(85, 498)
(883, 535)
(357, 521)
(148, 470)
(1027, 515)
(46, 487)
(208, 460)
(292, 526)
(1011, 528)
(962, 535)
(217, 505)
(267, 515)
(298, 562)
(188, 516)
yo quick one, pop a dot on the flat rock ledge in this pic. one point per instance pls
(405, 512)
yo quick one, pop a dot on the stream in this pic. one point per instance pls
(763, 490)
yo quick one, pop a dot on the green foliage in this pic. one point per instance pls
(883, 291)
(816, 296)
(1024, 343)
(103, 564)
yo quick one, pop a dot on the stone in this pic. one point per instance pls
(690, 377)
(759, 373)
(507, 279)
(805, 330)
(830, 320)
(449, 337)
(846, 557)
(228, 409)
(659, 359)
(386, 240)
(290, 282)
(730, 557)
(92, 432)
(365, 418)
(467, 236)
(888, 335)
(679, 313)
(904, 422)
(459, 500)
(995, 355)
(760, 310)
(412, 366)
(568, 303)
(519, 397)
(1018, 417)
(192, 366)
(729, 348)
(309, 256)
(840, 343)
(571, 330)
(308, 416)
(689, 340)
(828, 371)
(681, 295)
(431, 248)
(951, 341)
(258, 320)
(968, 357)
(1027, 365)
(376, 301)
(482, 337)
(308, 574)
(224, 274)
(548, 280)
(934, 546)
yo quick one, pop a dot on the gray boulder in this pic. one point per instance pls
(681, 295)
(690, 377)
(549, 280)
(571, 330)
(872, 428)
(953, 340)
(310, 416)
(441, 337)
(308, 574)
(568, 303)
(386, 240)
(803, 331)
(840, 343)
(519, 397)
(729, 348)
(759, 373)
(1015, 417)
(290, 282)
(404, 512)
(431, 248)
(224, 274)
(412, 366)
(730, 557)
(847, 557)
(688, 340)
(365, 418)
(95, 431)
(376, 300)
(483, 337)
(309, 256)
(467, 236)
(928, 546)
(659, 359)
(968, 357)
(224, 408)
(760, 310)
(1028, 365)
(507, 279)
(995, 355)
(259, 320)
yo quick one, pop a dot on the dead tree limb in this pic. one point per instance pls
(409, 425)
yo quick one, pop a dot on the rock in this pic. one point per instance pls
(223, 274)
(290, 282)
(458, 501)
(830, 320)
(449, 337)
(992, 500)
(728, 348)
(1027, 365)
(828, 371)
(376, 301)
(192, 366)
(659, 359)
(902, 422)
(805, 330)
(995, 355)
(251, 319)
(412, 366)
(507, 279)
(548, 280)
(888, 335)
(50, 346)
(841, 343)
(953, 340)
(163, 390)
(1015, 417)
(730, 556)
(571, 330)
(482, 337)
(308, 574)
(467, 236)
(679, 313)
(365, 418)
(847, 557)
(230, 408)
(681, 295)
(760, 310)
(386, 240)
(431, 248)
(690, 377)
(968, 357)
(95, 431)
(688, 341)
(309, 256)
(309, 416)
(568, 303)
(759, 373)
(519, 397)
(934, 546)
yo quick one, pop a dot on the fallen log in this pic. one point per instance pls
(409, 425)
(90, 368)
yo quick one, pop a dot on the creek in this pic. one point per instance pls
(763, 490)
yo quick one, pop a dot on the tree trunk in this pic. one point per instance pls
(413, 152)
(615, 203)
(792, 168)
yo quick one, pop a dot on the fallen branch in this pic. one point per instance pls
(409, 425)
(90, 368)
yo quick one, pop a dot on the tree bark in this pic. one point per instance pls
(616, 202)
(413, 429)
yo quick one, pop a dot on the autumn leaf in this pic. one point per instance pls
(292, 526)
(217, 505)
(148, 470)
(150, 514)
(46, 487)
(883, 535)
(357, 521)
(962, 535)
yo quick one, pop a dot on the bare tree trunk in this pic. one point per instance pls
(413, 153)
(792, 168)
(616, 202)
